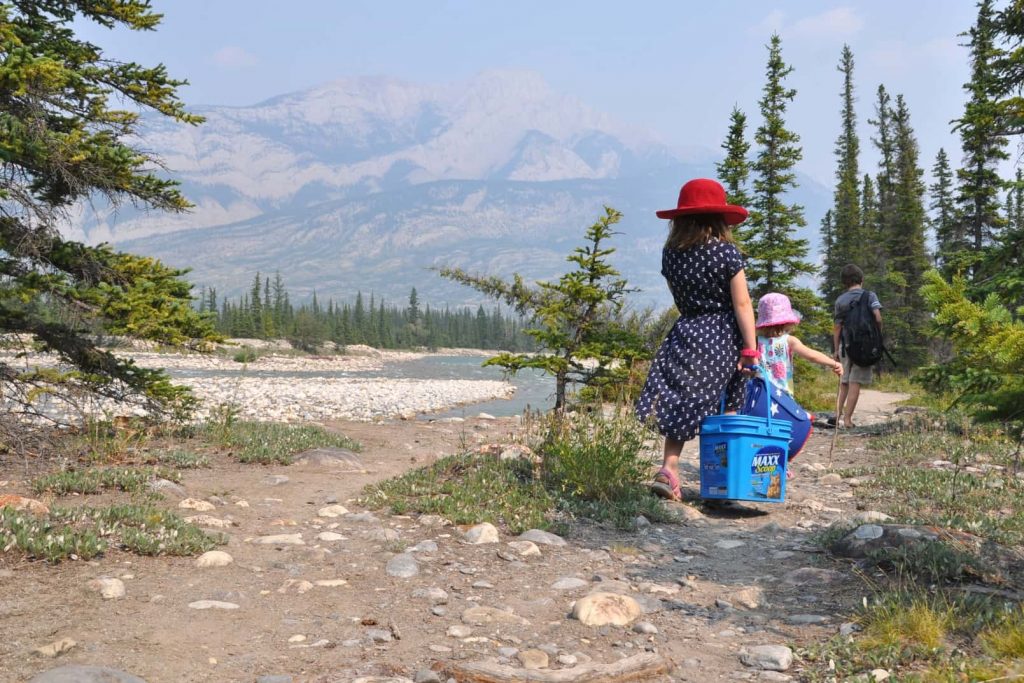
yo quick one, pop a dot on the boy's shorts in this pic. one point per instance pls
(854, 373)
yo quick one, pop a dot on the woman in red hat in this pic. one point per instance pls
(714, 338)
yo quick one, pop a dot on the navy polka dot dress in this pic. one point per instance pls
(697, 360)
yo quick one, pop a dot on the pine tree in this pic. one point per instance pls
(1008, 68)
(578, 328)
(64, 142)
(734, 170)
(848, 242)
(414, 307)
(884, 143)
(979, 185)
(949, 235)
(776, 258)
(871, 257)
(828, 245)
(1007, 258)
(904, 244)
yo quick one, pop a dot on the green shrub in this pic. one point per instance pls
(91, 481)
(181, 459)
(267, 442)
(246, 354)
(41, 539)
(468, 489)
(142, 529)
(591, 458)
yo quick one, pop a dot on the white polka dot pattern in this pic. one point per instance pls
(697, 361)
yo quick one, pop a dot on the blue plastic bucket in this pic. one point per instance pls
(744, 458)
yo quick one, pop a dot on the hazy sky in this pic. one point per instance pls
(675, 67)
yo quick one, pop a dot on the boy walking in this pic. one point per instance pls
(854, 376)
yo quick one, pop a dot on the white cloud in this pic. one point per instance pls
(234, 57)
(840, 22)
(835, 23)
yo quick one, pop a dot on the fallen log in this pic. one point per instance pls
(635, 668)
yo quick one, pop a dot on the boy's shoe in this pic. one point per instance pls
(666, 485)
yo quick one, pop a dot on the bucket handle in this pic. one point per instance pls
(768, 388)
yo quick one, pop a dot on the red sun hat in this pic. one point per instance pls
(704, 195)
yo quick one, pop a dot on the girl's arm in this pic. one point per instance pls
(799, 348)
(744, 314)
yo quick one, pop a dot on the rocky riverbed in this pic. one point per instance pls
(290, 388)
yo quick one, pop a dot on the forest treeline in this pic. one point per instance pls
(266, 311)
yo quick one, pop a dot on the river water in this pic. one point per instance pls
(534, 390)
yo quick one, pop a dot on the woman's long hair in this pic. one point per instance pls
(695, 229)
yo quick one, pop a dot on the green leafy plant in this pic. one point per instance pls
(468, 489)
(90, 481)
(266, 442)
(577, 328)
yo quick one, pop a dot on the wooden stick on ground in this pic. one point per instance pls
(835, 434)
(635, 668)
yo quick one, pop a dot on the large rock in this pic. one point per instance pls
(109, 588)
(606, 609)
(337, 458)
(331, 511)
(166, 486)
(196, 504)
(815, 575)
(85, 674)
(525, 548)
(767, 657)
(541, 537)
(436, 596)
(481, 533)
(869, 538)
(23, 504)
(750, 597)
(214, 558)
(403, 566)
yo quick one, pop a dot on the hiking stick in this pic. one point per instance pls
(835, 434)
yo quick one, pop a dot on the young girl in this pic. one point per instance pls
(775, 320)
(714, 338)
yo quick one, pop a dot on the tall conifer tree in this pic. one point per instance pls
(904, 244)
(884, 143)
(847, 239)
(979, 185)
(776, 258)
(734, 170)
(949, 235)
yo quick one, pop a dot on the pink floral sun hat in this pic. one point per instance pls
(775, 309)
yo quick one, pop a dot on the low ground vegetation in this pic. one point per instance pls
(138, 525)
(927, 617)
(585, 466)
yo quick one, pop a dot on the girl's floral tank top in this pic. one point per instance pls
(778, 360)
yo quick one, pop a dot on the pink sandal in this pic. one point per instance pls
(666, 485)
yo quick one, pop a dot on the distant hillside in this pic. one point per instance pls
(367, 183)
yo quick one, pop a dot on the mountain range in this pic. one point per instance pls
(366, 184)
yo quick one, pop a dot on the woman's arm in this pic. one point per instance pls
(744, 314)
(799, 348)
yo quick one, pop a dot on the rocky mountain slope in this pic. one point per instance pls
(367, 183)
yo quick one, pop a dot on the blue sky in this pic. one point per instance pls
(673, 67)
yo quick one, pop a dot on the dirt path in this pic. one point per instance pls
(709, 587)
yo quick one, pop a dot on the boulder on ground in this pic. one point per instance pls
(606, 609)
